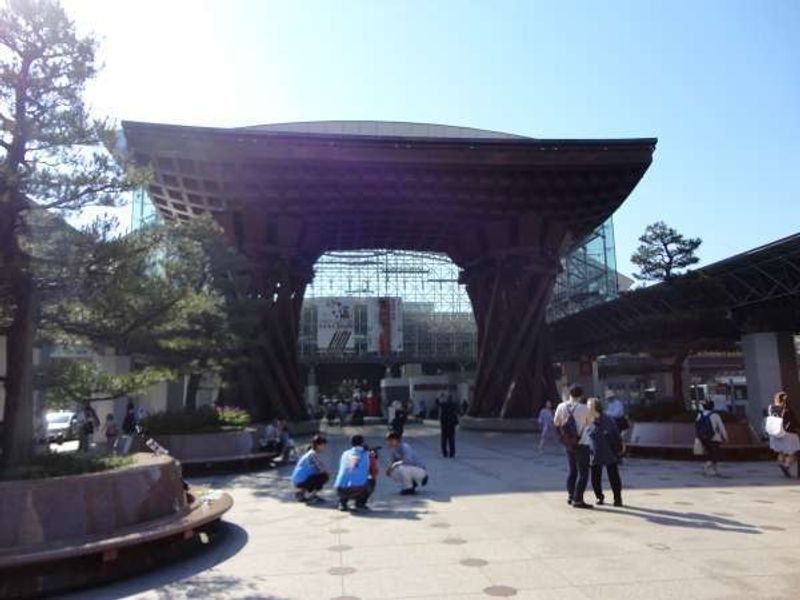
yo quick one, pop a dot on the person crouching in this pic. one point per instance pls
(352, 481)
(406, 468)
(310, 473)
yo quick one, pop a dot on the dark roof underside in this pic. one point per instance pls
(361, 191)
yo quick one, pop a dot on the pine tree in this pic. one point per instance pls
(663, 252)
(54, 157)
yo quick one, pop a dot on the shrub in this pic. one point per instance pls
(233, 416)
(208, 419)
(67, 463)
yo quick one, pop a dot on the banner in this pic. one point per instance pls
(335, 324)
(384, 326)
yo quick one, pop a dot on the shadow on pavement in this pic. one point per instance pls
(691, 520)
(172, 581)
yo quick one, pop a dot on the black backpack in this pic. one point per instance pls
(569, 431)
(704, 428)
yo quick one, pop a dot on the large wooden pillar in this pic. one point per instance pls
(269, 385)
(509, 298)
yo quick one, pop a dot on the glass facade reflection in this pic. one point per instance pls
(437, 314)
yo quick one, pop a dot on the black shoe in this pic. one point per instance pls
(569, 501)
(408, 491)
(618, 503)
(424, 481)
(343, 506)
(581, 505)
(600, 501)
(362, 506)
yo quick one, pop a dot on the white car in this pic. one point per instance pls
(62, 426)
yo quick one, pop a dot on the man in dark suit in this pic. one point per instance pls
(448, 420)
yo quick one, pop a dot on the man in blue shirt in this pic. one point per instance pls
(352, 479)
(310, 473)
(406, 468)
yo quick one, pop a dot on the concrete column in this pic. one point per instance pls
(770, 362)
(312, 390)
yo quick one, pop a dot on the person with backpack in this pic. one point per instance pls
(710, 432)
(783, 427)
(571, 419)
(605, 447)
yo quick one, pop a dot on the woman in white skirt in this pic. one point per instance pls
(784, 439)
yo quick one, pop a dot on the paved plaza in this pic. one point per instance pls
(494, 522)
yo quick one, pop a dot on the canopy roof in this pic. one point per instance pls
(312, 187)
(757, 289)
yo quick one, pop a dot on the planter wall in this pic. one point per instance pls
(681, 435)
(298, 428)
(192, 446)
(63, 508)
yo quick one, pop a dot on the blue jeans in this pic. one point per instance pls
(578, 477)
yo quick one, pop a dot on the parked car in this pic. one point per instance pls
(62, 426)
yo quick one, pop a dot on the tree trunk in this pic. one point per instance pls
(191, 391)
(18, 418)
(678, 396)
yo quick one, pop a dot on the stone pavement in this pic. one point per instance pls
(493, 522)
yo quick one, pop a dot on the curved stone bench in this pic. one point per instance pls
(199, 513)
(668, 436)
(50, 528)
(64, 508)
(194, 447)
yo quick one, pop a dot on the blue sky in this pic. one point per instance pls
(717, 82)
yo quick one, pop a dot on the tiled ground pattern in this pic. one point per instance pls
(494, 523)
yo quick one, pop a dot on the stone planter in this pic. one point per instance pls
(58, 509)
(302, 428)
(70, 532)
(678, 438)
(198, 446)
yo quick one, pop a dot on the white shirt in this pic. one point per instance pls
(580, 412)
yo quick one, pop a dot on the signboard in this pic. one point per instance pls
(384, 326)
(335, 324)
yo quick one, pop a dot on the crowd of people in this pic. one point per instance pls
(352, 402)
(593, 443)
(591, 431)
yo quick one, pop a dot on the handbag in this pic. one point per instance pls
(699, 448)
(774, 426)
